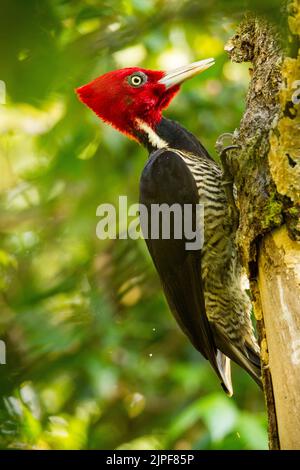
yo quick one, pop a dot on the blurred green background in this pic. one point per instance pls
(94, 358)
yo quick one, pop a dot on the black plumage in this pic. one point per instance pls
(197, 284)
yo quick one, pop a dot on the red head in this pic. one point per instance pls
(125, 97)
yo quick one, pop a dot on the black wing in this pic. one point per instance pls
(167, 179)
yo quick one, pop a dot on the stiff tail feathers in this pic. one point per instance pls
(224, 368)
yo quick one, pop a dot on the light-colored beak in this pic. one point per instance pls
(181, 74)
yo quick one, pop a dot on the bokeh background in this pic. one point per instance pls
(94, 358)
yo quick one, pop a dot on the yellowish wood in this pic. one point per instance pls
(279, 286)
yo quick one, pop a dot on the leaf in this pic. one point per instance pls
(216, 411)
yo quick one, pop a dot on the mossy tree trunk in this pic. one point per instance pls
(266, 172)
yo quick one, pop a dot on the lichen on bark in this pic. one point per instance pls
(260, 204)
(284, 154)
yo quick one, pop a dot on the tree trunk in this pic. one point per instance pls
(266, 172)
(279, 280)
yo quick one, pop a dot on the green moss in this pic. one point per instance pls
(293, 211)
(273, 213)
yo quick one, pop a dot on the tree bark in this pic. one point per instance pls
(279, 281)
(266, 173)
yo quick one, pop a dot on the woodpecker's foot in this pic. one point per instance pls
(228, 180)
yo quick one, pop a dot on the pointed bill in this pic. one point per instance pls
(179, 75)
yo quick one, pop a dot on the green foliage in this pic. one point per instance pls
(94, 358)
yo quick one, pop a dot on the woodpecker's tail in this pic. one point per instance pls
(224, 368)
(249, 360)
(248, 357)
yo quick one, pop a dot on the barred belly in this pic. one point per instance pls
(227, 304)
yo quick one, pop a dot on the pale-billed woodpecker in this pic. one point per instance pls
(204, 288)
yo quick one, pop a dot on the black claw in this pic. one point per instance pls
(227, 148)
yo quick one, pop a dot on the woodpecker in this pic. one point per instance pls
(204, 287)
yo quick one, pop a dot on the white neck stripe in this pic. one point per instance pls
(154, 139)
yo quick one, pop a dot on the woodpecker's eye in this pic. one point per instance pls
(137, 79)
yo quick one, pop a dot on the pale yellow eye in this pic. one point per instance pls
(137, 79)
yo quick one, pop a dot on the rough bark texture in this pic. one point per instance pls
(279, 263)
(266, 172)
